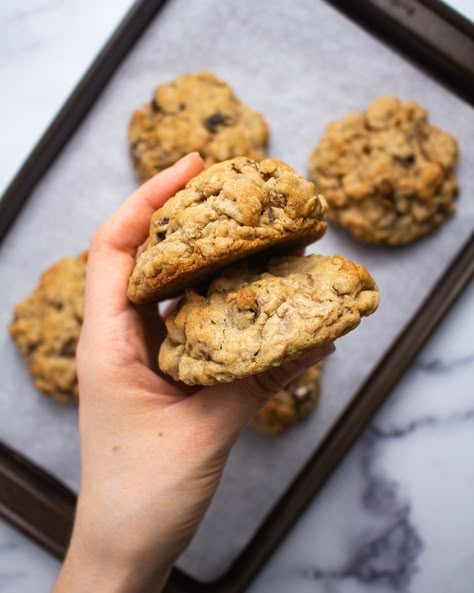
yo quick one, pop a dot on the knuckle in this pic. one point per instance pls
(99, 238)
(96, 239)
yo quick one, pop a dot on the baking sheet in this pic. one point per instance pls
(301, 65)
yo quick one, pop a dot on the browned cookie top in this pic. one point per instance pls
(194, 112)
(250, 321)
(387, 174)
(47, 324)
(227, 212)
(291, 404)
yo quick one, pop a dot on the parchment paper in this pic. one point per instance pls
(301, 64)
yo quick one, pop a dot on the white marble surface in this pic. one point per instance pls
(464, 7)
(45, 46)
(398, 515)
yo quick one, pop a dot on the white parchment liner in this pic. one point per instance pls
(301, 64)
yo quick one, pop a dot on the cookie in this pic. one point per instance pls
(229, 211)
(46, 328)
(250, 321)
(388, 175)
(194, 112)
(293, 403)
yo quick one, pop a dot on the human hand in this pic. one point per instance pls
(152, 456)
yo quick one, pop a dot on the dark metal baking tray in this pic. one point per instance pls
(43, 507)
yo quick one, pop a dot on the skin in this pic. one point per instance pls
(152, 455)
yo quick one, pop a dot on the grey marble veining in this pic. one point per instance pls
(87, 182)
(398, 514)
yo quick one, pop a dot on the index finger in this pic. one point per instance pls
(128, 226)
(114, 245)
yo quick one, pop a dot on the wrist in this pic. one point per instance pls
(85, 570)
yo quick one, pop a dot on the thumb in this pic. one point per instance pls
(226, 409)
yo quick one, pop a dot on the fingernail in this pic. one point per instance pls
(188, 157)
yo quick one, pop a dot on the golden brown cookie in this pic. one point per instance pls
(387, 174)
(194, 112)
(291, 404)
(250, 321)
(46, 328)
(229, 211)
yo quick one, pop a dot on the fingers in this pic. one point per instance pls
(299, 252)
(114, 245)
(228, 408)
(128, 227)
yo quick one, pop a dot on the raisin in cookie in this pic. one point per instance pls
(46, 328)
(195, 112)
(293, 403)
(227, 212)
(387, 174)
(250, 321)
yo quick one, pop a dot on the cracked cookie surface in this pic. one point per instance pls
(194, 112)
(46, 327)
(291, 404)
(229, 211)
(250, 321)
(387, 174)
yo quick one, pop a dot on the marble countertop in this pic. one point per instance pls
(398, 513)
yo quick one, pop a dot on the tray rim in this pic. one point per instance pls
(43, 507)
(416, 46)
(39, 504)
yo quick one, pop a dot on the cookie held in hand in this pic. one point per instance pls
(194, 112)
(46, 328)
(387, 173)
(226, 213)
(251, 320)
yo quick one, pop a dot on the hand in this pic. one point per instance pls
(152, 456)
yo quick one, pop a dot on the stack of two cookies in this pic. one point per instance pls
(234, 321)
(243, 208)
(248, 306)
